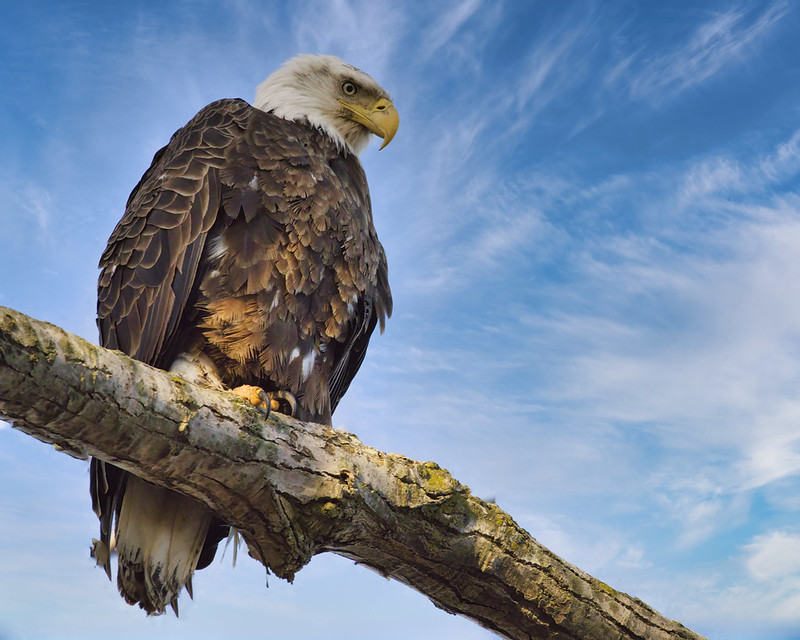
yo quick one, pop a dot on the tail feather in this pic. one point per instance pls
(160, 536)
(107, 487)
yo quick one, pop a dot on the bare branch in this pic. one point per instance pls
(296, 489)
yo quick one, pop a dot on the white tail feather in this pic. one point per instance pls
(160, 535)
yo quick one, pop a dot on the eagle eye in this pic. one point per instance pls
(349, 87)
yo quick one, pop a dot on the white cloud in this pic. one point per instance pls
(774, 451)
(773, 555)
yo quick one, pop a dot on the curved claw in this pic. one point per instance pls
(283, 402)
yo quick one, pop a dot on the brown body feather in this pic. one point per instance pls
(250, 240)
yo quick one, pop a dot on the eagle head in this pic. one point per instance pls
(330, 94)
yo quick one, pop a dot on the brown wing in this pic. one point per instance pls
(374, 304)
(372, 308)
(149, 267)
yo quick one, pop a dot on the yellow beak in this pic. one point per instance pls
(381, 118)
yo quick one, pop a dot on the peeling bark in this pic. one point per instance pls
(295, 489)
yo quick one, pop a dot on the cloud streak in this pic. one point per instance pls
(447, 24)
(714, 46)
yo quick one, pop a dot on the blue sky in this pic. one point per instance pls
(592, 217)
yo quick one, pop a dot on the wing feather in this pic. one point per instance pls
(373, 306)
(150, 266)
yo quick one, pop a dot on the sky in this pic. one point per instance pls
(591, 213)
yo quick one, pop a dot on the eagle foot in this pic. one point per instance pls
(255, 396)
(283, 402)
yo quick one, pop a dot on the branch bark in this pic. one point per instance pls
(295, 489)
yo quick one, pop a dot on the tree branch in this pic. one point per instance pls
(295, 489)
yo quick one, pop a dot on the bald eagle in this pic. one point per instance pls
(246, 259)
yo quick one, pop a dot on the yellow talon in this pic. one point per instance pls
(255, 396)
(281, 401)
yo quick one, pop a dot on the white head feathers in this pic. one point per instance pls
(312, 87)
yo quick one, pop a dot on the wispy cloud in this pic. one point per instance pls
(549, 69)
(34, 203)
(712, 337)
(718, 178)
(701, 513)
(773, 452)
(726, 39)
(686, 334)
(446, 24)
(364, 32)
